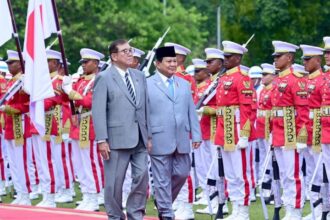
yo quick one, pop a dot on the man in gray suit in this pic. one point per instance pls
(120, 115)
(172, 119)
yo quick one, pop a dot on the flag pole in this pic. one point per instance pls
(15, 34)
(60, 41)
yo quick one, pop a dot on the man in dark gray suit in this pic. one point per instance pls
(172, 119)
(120, 115)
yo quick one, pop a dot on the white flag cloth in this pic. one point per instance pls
(48, 18)
(37, 80)
(5, 23)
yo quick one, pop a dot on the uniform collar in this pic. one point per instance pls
(213, 77)
(315, 74)
(53, 74)
(285, 72)
(17, 76)
(233, 70)
(268, 87)
(180, 69)
(89, 76)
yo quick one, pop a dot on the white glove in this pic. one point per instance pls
(67, 84)
(301, 147)
(65, 136)
(200, 111)
(2, 108)
(243, 142)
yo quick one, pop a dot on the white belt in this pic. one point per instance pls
(280, 113)
(261, 113)
(311, 115)
(83, 115)
(49, 112)
(325, 111)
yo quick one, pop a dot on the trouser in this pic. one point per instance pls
(236, 167)
(170, 173)
(326, 188)
(86, 164)
(45, 161)
(262, 148)
(252, 163)
(20, 158)
(2, 160)
(290, 163)
(203, 159)
(115, 169)
(127, 182)
(311, 159)
(62, 163)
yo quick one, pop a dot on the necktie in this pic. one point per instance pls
(129, 87)
(171, 86)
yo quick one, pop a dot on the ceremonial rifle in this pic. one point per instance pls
(60, 39)
(210, 91)
(146, 63)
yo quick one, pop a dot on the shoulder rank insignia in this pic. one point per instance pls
(302, 85)
(247, 84)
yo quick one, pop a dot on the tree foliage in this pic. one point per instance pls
(94, 24)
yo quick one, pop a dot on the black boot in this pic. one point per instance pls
(277, 213)
(219, 214)
(324, 215)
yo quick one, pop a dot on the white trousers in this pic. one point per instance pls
(62, 163)
(263, 147)
(87, 167)
(46, 164)
(20, 160)
(237, 167)
(204, 156)
(311, 159)
(290, 163)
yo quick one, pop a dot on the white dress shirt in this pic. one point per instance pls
(165, 79)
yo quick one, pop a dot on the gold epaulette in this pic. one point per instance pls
(74, 95)
(10, 110)
(299, 75)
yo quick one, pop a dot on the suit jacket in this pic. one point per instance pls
(116, 117)
(172, 119)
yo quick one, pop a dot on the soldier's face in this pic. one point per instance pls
(232, 61)
(327, 58)
(201, 75)
(14, 67)
(281, 61)
(90, 66)
(267, 78)
(180, 59)
(214, 65)
(53, 65)
(312, 64)
(167, 67)
(135, 62)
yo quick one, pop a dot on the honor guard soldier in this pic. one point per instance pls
(85, 155)
(136, 58)
(17, 133)
(234, 100)
(214, 60)
(263, 118)
(312, 57)
(3, 157)
(289, 127)
(325, 135)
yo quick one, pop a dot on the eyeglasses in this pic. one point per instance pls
(126, 51)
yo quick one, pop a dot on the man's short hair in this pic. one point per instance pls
(113, 48)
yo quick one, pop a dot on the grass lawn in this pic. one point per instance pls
(255, 209)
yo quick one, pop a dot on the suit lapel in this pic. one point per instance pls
(136, 86)
(160, 84)
(117, 78)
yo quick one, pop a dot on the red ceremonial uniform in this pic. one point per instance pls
(325, 119)
(315, 89)
(290, 109)
(17, 105)
(264, 112)
(234, 99)
(3, 86)
(180, 72)
(84, 101)
(253, 117)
